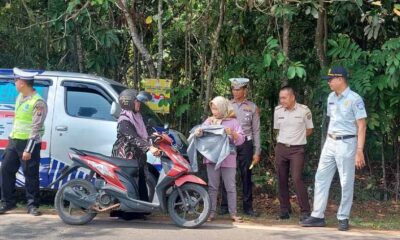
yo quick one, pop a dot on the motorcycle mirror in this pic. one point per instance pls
(144, 96)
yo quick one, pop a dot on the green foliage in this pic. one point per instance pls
(363, 37)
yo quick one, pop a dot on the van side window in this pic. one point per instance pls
(84, 102)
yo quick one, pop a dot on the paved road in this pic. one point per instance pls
(48, 227)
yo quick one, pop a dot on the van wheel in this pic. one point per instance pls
(70, 213)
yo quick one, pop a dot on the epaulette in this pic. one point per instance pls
(303, 106)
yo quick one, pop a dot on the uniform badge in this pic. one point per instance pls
(247, 109)
(308, 115)
(347, 103)
(39, 111)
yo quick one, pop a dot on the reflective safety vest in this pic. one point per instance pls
(22, 127)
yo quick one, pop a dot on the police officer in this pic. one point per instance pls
(248, 153)
(294, 123)
(24, 144)
(343, 149)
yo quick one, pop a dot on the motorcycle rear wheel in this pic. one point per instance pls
(67, 211)
(194, 210)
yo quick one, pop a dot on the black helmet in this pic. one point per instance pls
(128, 96)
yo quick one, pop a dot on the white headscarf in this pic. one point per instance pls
(225, 110)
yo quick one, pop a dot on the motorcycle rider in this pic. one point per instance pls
(132, 140)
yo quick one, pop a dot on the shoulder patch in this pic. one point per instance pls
(308, 115)
(360, 105)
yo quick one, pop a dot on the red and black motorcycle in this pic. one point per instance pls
(112, 185)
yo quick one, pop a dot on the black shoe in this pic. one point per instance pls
(313, 222)
(303, 217)
(283, 216)
(223, 211)
(343, 225)
(251, 213)
(34, 211)
(6, 208)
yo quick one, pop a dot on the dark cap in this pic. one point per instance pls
(336, 71)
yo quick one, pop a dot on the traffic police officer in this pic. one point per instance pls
(247, 113)
(24, 144)
(294, 123)
(343, 149)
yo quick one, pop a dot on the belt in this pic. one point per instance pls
(249, 138)
(335, 137)
(289, 145)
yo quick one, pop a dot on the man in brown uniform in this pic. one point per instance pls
(293, 122)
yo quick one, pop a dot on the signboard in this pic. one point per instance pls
(159, 90)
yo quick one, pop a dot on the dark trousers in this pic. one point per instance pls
(291, 158)
(244, 159)
(12, 160)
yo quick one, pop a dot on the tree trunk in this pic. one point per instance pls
(396, 152)
(203, 60)
(136, 67)
(79, 52)
(320, 37)
(160, 39)
(122, 5)
(214, 49)
(285, 46)
(385, 192)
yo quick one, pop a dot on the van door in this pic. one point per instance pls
(82, 120)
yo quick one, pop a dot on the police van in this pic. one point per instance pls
(82, 113)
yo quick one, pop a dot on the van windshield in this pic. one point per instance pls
(149, 116)
(118, 88)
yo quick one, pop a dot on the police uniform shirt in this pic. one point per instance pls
(38, 118)
(344, 110)
(249, 118)
(292, 124)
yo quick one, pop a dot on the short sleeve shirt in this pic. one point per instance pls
(292, 124)
(344, 110)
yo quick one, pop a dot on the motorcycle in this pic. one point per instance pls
(112, 185)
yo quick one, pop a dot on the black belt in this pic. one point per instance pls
(335, 137)
(289, 145)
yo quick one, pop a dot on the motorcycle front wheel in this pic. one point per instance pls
(67, 211)
(191, 211)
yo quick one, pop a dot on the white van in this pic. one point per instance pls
(82, 113)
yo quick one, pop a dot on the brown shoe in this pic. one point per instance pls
(236, 219)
